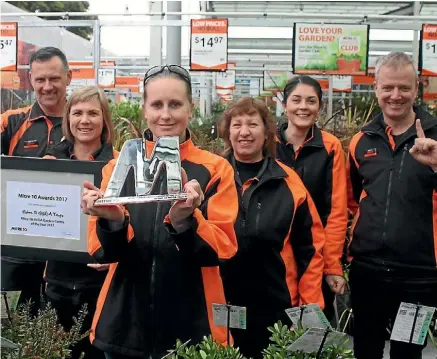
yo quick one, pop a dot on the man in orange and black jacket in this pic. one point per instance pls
(393, 194)
(30, 132)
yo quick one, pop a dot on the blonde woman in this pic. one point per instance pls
(88, 132)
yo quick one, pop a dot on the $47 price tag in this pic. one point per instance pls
(8, 46)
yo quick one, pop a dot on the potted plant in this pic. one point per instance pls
(282, 337)
(40, 336)
(348, 63)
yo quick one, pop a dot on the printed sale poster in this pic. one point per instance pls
(276, 80)
(332, 49)
(428, 50)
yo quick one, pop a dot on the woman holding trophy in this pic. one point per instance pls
(165, 272)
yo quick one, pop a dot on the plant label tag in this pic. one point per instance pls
(174, 351)
(410, 315)
(237, 316)
(312, 316)
(9, 303)
(311, 341)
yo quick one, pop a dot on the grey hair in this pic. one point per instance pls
(396, 60)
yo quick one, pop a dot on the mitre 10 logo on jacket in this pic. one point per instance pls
(396, 219)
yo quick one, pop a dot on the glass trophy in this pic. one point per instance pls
(164, 164)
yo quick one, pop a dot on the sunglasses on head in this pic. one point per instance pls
(174, 69)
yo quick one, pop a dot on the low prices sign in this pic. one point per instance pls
(130, 83)
(428, 50)
(209, 45)
(225, 80)
(106, 77)
(82, 75)
(8, 46)
(332, 49)
(342, 83)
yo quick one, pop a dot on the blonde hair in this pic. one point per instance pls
(84, 94)
(395, 60)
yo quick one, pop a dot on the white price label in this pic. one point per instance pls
(429, 50)
(225, 80)
(312, 340)
(311, 315)
(412, 323)
(106, 77)
(209, 44)
(342, 83)
(236, 315)
(8, 46)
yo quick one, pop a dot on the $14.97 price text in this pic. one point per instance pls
(208, 41)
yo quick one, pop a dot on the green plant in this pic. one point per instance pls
(128, 121)
(349, 119)
(348, 57)
(206, 349)
(205, 135)
(41, 336)
(282, 337)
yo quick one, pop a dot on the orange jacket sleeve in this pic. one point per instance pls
(211, 236)
(307, 240)
(105, 244)
(354, 181)
(336, 224)
(5, 133)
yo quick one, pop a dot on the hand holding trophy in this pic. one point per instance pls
(90, 195)
(164, 165)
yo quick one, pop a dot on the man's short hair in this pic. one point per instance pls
(47, 53)
(395, 60)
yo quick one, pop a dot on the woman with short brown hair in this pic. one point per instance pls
(280, 236)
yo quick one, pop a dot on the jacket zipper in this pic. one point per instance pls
(402, 160)
(49, 131)
(153, 271)
(387, 203)
(257, 217)
(243, 227)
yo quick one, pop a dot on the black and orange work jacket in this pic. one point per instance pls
(321, 164)
(279, 262)
(28, 132)
(75, 277)
(164, 283)
(394, 199)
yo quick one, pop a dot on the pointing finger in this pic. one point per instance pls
(419, 129)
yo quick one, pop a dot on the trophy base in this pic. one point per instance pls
(140, 199)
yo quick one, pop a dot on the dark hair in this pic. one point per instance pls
(47, 53)
(165, 72)
(249, 106)
(303, 79)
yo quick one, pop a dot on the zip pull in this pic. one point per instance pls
(258, 206)
(402, 159)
